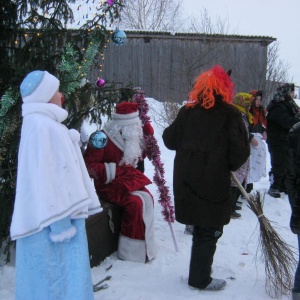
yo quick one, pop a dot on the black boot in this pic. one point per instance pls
(273, 192)
(249, 187)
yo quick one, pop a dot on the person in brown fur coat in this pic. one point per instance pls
(210, 140)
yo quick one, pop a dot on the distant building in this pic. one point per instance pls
(165, 64)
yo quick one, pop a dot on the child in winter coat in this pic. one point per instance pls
(242, 102)
(54, 196)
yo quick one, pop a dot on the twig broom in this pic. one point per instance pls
(279, 258)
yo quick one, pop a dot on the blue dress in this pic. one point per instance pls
(53, 271)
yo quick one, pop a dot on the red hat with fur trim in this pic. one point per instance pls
(126, 113)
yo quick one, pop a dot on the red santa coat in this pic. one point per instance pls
(124, 186)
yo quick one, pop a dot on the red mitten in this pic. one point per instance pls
(148, 129)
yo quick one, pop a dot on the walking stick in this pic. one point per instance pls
(279, 258)
(153, 154)
(169, 215)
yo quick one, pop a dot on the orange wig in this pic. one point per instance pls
(214, 82)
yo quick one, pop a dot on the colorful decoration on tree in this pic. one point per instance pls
(100, 82)
(70, 67)
(110, 2)
(98, 139)
(118, 37)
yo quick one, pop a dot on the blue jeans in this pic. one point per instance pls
(297, 274)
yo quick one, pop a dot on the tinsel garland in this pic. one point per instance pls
(70, 69)
(7, 101)
(73, 72)
(9, 121)
(153, 154)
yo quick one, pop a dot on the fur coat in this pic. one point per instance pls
(209, 143)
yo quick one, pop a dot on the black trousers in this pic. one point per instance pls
(234, 194)
(278, 165)
(203, 249)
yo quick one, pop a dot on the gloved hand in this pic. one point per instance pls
(148, 129)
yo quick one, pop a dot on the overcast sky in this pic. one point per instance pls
(272, 18)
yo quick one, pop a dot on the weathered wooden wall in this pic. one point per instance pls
(165, 65)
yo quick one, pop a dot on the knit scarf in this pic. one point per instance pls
(247, 113)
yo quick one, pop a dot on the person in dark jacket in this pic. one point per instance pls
(210, 140)
(293, 188)
(282, 114)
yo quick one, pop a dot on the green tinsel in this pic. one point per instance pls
(9, 98)
(74, 72)
(69, 68)
(96, 39)
(7, 102)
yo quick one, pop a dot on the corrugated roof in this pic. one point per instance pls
(198, 35)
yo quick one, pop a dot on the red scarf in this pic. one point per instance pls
(259, 115)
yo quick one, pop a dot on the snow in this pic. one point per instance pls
(238, 258)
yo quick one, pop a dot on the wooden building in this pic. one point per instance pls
(165, 65)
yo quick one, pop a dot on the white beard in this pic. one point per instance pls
(132, 136)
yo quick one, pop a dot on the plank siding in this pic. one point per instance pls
(165, 65)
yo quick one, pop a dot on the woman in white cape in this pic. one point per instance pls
(54, 196)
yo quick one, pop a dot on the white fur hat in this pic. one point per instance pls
(38, 86)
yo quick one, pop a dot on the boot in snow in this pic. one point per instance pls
(216, 285)
(189, 229)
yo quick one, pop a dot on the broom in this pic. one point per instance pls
(279, 258)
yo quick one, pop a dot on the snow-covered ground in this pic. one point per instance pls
(238, 257)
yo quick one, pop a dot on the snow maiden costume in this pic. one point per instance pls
(112, 165)
(54, 196)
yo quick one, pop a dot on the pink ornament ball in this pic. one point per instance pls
(110, 2)
(100, 82)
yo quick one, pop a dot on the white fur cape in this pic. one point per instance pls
(52, 180)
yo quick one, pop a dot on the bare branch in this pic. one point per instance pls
(162, 15)
(204, 23)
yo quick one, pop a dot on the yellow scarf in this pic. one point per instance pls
(247, 113)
